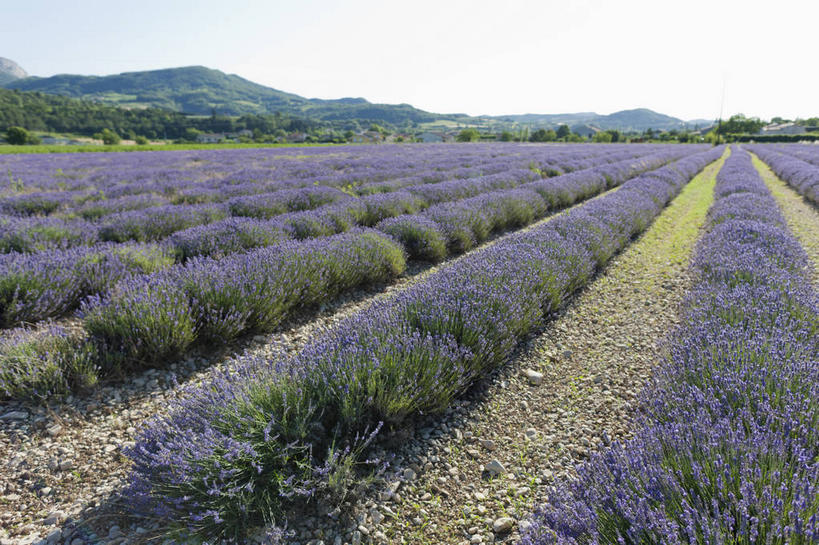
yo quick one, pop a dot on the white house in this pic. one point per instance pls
(783, 128)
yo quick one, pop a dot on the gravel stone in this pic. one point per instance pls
(495, 467)
(14, 416)
(503, 524)
(535, 378)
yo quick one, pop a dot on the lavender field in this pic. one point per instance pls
(388, 344)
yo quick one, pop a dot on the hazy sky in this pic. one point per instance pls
(476, 57)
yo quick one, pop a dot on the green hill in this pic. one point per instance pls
(201, 91)
(38, 111)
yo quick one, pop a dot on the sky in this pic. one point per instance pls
(690, 59)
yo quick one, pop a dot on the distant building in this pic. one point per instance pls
(210, 137)
(783, 128)
(430, 137)
(57, 141)
(368, 137)
(297, 137)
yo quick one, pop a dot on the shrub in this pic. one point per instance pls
(257, 290)
(421, 237)
(51, 283)
(157, 222)
(43, 363)
(17, 136)
(226, 237)
(145, 320)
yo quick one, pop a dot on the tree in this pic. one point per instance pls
(17, 136)
(563, 131)
(140, 140)
(191, 134)
(469, 135)
(375, 127)
(602, 137)
(615, 135)
(108, 137)
(543, 135)
(739, 124)
(507, 136)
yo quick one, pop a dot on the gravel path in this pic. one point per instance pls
(61, 463)
(471, 475)
(801, 215)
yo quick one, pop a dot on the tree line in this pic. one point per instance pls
(35, 111)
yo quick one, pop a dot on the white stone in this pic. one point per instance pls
(503, 524)
(495, 467)
(534, 377)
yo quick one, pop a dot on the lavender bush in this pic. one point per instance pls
(225, 237)
(150, 319)
(51, 283)
(726, 449)
(158, 222)
(421, 237)
(145, 320)
(255, 291)
(45, 362)
(96, 208)
(265, 206)
(35, 234)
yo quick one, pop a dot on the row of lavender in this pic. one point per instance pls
(146, 319)
(805, 152)
(52, 283)
(140, 180)
(452, 205)
(727, 449)
(235, 453)
(790, 164)
(174, 173)
(143, 217)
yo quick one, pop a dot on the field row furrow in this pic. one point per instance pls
(726, 441)
(106, 418)
(801, 175)
(595, 356)
(271, 433)
(802, 217)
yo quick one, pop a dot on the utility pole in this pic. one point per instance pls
(721, 107)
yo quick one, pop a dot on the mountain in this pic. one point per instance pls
(201, 91)
(701, 123)
(548, 119)
(198, 90)
(10, 71)
(638, 120)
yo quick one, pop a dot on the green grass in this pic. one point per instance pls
(8, 149)
(674, 235)
(800, 213)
